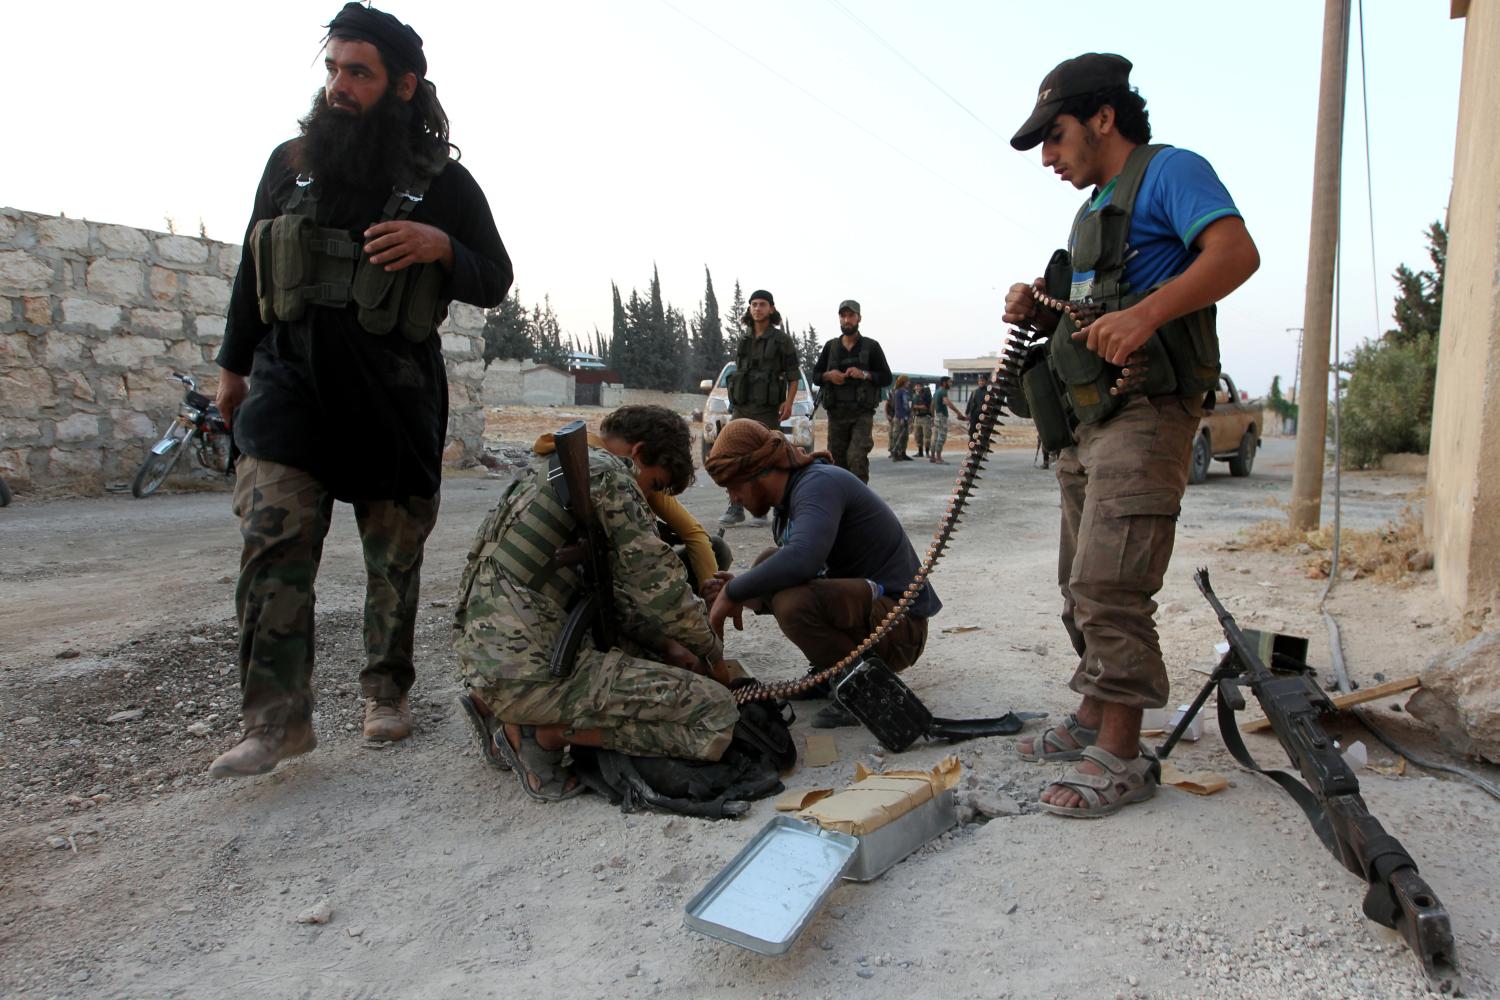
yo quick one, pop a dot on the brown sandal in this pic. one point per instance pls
(1123, 782)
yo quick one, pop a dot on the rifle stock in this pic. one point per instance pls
(593, 608)
(1397, 896)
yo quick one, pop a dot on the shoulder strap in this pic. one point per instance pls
(301, 192)
(401, 202)
(1128, 183)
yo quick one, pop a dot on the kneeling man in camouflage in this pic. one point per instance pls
(650, 693)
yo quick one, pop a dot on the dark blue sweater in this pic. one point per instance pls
(830, 524)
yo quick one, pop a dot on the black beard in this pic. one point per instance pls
(370, 151)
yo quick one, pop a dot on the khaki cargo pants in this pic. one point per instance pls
(284, 516)
(1122, 486)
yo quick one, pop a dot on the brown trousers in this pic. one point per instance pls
(827, 619)
(1122, 486)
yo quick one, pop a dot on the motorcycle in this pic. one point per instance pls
(197, 423)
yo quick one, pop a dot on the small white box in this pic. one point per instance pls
(1165, 720)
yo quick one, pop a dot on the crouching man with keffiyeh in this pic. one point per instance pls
(841, 562)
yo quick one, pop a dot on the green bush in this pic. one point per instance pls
(1387, 404)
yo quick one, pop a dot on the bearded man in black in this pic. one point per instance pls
(364, 230)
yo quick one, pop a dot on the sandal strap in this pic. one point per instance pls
(1082, 736)
(1102, 789)
(545, 764)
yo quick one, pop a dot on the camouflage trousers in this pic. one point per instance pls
(939, 433)
(641, 707)
(851, 436)
(1122, 487)
(921, 431)
(899, 428)
(284, 516)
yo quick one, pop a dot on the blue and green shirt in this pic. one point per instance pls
(1180, 195)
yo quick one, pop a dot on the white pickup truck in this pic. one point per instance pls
(798, 428)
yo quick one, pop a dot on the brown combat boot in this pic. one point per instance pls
(387, 719)
(262, 748)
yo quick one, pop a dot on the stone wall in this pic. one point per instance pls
(1462, 512)
(611, 396)
(93, 318)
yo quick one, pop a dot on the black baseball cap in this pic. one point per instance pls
(850, 305)
(1085, 74)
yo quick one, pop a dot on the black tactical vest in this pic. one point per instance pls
(851, 394)
(759, 377)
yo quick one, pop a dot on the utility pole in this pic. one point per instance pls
(1297, 370)
(1322, 255)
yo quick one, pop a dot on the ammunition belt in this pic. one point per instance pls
(1004, 385)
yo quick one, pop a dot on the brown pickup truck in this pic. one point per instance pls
(1230, 432)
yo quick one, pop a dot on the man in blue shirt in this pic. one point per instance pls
(1158, 243)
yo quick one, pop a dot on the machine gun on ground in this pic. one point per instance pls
(1397, 896)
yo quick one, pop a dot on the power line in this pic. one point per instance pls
(937, 86)
(852, 121)
(918, 70)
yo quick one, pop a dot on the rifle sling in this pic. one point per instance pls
(1300, 793)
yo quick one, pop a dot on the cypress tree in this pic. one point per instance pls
(634, 360)
(710, 346)
(617, 339)
(809, 348)
(735, 326)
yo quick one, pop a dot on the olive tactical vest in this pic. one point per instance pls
(521, 537)
(761, 381)
(851, 394)
(299, 264)
(1182, 357)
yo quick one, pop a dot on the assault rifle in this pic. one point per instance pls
(1397, 896)
(593, 608)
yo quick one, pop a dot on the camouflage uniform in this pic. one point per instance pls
(513, 603)
(284, 516)
(851, 435)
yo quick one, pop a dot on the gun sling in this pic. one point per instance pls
(1397, 896)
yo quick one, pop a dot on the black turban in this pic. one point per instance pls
(397, 42)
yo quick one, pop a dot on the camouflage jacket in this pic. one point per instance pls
(512, 584)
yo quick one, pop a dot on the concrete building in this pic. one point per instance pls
(965, 373)
(545, 385)
(1463, 480)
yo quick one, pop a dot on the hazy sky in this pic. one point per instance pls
(797, 145)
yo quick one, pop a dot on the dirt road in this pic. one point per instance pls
(125, 873)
